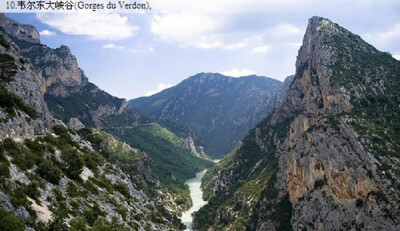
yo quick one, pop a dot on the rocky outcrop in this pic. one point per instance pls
(68, 93)
(320, 158)
(189, 145)
(19, 31)
(75, 124)
(57, 66)
(22, 83)
(281, 92)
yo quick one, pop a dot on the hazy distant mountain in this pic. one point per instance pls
(219, 109)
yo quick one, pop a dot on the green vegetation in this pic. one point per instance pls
(8, 67)
(211, 105)
(73, 164)
(246, 183)
(47, 170)
(9, 222)
(78, 224)
(166, 151)
(92, 214)
(4, 42)
(11, 102)
(371, 78)
(4, 164)
(208, 181)
(32, 190)
(42, 152)
(169, 161)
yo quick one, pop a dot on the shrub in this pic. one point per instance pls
(78, 224)
(4, 42)
(92, 214)
(122, 188)
(102, 224)
(18, 197)
(73, 164)
(25, 159)
(2, 157)
(91, 187)
(4, 170)
(9, 222)
(48, 171)
(92, 160)
(10, 145)
(32, 191)
(59, 130)
(10, 101)
(8, 68)
(72, 190)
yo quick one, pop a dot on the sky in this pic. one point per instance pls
(133, 54)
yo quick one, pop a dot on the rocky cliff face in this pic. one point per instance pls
(58, 68)
(219, 109)
(19, 79)
(19, 31)
(68, 92)
(54, 178)
(28, 70)
(327, 157)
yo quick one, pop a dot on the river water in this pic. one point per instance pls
(197, 198)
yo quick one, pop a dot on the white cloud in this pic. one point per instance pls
(261, 49)
(112, 46)
(204, 23)
(385, 38)
(150, 49)
(235, 45)
(186, 29)
(396, 57)
(238, 73)
(284, 30)
(47, 33)
(197, 30)
(97, 26)
(208, 30)
(294, 44)
(160, 87)
(237, 6)
(207, 42)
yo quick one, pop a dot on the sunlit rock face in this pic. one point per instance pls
(327, 157)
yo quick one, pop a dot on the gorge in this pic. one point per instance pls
(318, 151)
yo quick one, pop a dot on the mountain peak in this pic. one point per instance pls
(18, 30)
(321, 24)
(325, 154)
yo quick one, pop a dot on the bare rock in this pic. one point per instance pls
(75, 124)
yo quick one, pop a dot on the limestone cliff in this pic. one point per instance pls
(19, 31)
(68, 92)
(327, 157)
(19, 79)
(55, 178)
(29, 69)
